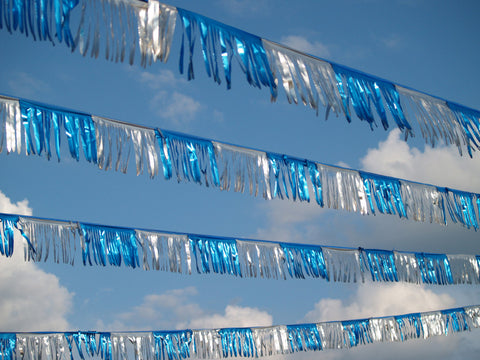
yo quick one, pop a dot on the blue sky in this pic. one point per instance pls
(427, 45)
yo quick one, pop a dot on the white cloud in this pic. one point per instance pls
(24, 85)
(160, 80)
(31, 299)
(438, 166)
(175, 309)
(302, 44)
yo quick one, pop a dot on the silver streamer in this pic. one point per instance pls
(464, 269)
(53, 346)
(422, 202)
(244, 170)
(305, 79)
(343, 265)
(437, 122)
(133, 345)
(46, 237)
(207, 344)
(10, 125)
(331, 334)
(156, 25)
(384, 329)
(166, 252)
(271, 340)
(115, 141)
(343, 189)
(407, 268)
(261, 259)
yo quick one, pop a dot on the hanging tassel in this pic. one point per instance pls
(304, 260)
(304, 337)
(141, 344)
(386, 192)
(7, 346)
(408, 268)
(10, 125)
(90, 344)
(61, 235)
(217, 255)
(271, 340)
(220, 44)
(9, 223)
(384, 329)
(261, 259)
(243, 170)
(342, 265)
(207, 344)
(381, 264)
(166, 252)
(356, 332)
(192, 159)
(463, 207)
(464, 268)
(469, 120)
(237, 342)
(423, 202)
(434, 268)
(289, 171)
(113, 244)
(331, 334)
(48, 346)
(172, 345)
(156, 25)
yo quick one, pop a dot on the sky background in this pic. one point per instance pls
(427, 45)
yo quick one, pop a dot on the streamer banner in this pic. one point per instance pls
(103, 245)
(238, 342)
(109, 144)
(115, 29)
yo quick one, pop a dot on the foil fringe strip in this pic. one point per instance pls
(103, 245)
(238, 342)
(109, 144)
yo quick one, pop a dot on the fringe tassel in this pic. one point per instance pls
(261, 260)
(381, 264)
(10, 125)
(464, 268)
(220, 44)
(386, 192)
(469, 120)
(462, 206)
(217, 255)
(408, 268)
(62, 235)
(9, 223)
(243, 169)
(434, 268)
(114, 144)
(239, 342)
(105, 243)
(343, 265)
(166, 252)
(304, 261)
(192, 159)
(304, 77)
(423, 202)
(42, 19)
(288, 171)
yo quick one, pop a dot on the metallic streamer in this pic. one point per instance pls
(136, 345)
(173, 345)
(300, 73)
(434, 268)
(356, 332)
(110, 243)
(192, 159)
(343, 265)
(386, 192)
(465, 269)
(237, 342)
(304, 261)
(207, 344)
(49, 346)
(331, 334)
(381, 264)
(463, 207)
(423, 202)
(384, 329)
(289, 171)
(304, 337)
(261, 259)
(410, 326)
(217, 255)
(10, 125)
(9, 223)
(7, 346)
(166, 252)
(343, 189)
(243, 169)
(408, 268)
(156, 24)
(220, 44)
(469, 120)
(45, 237)
(271, 340)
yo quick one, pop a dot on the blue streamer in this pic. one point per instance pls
(410, 326)
(9, 222)
(88, 338)
(455, 320)
(362, 90)
(109, 243)
(105, 346)
(304, 337)
(434, 268)
(462, 206)
(8, 343)
(238, 342)
(381, 264)
(469, 119)
(304, 260)
(193, 159)
(81, 125)
(386, 192)
(284, 168)
(220, 44)
(172, 345)
(356, 332)
(316, 182)
(217, 255)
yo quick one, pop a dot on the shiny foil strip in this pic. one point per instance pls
(464, 268)
(208, 344)
(271, 340)
(261, 259)
(10, 125)
(384, 330)
(50, 346)
(166, 252)
(49, 238)
(215, 255)
(343, 265)
(243, 170)
(288, 178)
(331, 334)
(423, 202)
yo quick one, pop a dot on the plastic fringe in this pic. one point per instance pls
(331, 334)
(243, 170)
(464, 269)
(271, 340)
(220, 44)
(469, 120)
(192, 159)
(356, 332)
(434, 268)
(133, 345)
(304, 261)
(342, 189)
(261, 259)
(381, 264)
(207, 344)
(237, 342)
(7, 346)
(9, 223)
(90, 343)
(437, 122)
(304, 337)
(50, 346)
(173, 345)
(463, 207)
(217, 255)
(44, 20)
(107, 243)
(386, 192)
(423, 202)
(343, 265)
(408, 268)
(289, 177)
(44, 235)
(10, 125)
(304, 78)
(115, 142)
(166, 252)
